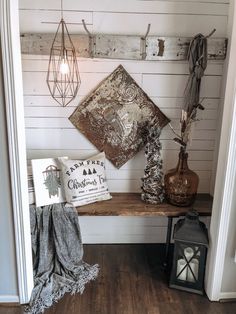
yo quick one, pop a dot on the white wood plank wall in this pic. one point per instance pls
(50, 133)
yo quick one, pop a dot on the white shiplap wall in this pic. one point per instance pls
(50, 133)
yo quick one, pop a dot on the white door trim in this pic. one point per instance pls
(225, 179)
(10, 42)
(219, 233)
(12, 76)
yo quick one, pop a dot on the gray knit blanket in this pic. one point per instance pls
(57, 256)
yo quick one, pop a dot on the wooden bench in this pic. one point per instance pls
(130, 204)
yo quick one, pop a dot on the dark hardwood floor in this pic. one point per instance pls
(131, 281)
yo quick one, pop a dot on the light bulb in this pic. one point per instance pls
(64, 68)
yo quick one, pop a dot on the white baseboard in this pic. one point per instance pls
(227, 295)
(9, 299)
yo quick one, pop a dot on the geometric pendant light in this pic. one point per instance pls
(63, 77)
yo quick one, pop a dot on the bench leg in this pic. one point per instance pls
(168, 239)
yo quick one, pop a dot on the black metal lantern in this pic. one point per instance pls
(190, 249)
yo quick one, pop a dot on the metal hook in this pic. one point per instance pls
(147, 32)
(86, 29)
(211, 33)
(91, 40)
(143, 43)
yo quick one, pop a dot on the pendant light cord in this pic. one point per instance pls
(62, 9)
(62, 31)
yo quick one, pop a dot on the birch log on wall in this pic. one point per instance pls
(50, 133)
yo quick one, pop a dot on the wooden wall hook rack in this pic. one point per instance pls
(126, 47)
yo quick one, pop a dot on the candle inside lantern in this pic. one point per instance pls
(181, 272)
(188, 252)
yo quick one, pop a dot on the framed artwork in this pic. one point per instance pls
(116, 117)
(47, 181)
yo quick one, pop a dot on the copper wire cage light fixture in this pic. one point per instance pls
(63, 77)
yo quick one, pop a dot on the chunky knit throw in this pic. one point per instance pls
(57, 256)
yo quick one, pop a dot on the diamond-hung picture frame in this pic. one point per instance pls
(116, 117)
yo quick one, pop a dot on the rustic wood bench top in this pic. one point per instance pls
(130, 204)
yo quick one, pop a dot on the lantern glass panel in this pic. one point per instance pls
(188, 263)
(188, 267)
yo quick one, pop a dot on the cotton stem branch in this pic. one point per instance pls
(171, 127)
